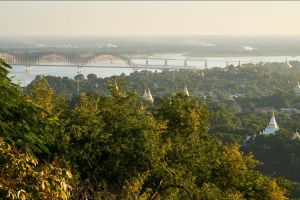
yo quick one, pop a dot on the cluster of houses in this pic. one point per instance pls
(290, 111)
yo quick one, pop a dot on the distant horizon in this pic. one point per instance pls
(149, 18)
(150, 36)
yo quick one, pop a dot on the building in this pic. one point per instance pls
(148, 96)
(297, 89)
(272, 126)
(290, 111)
(296, 136)
(232, 97)
(264, 109)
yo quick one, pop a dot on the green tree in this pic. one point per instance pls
(20, 120)
(24, 177)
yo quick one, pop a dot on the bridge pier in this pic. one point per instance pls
(28, 69)
(132, 65)
(79, 70)
(5, 57)
(240, 64)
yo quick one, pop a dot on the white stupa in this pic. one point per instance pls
(296, 136)
(148, 96)
(272, 127)
(288, 63)
(185, 91)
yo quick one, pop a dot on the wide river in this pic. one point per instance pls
(19, 75)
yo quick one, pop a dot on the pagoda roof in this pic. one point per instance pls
(147, 95)
(273, 123)
(272, 127)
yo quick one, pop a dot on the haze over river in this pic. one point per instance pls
(19, 75)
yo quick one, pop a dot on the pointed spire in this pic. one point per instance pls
(288, 63)
(116, 86)
(273, 122)
(148, 96)
(272, 127)
(185, 90)
(145, 94)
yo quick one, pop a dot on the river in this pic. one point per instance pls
(18, 73)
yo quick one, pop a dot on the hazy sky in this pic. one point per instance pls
(149, 18)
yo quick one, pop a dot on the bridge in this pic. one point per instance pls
(102, 60)
(97, 60)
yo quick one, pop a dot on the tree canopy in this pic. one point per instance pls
(118, 145)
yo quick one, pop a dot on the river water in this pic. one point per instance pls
(19, 75)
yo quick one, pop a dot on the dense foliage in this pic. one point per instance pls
(116, 145)
(23, 177)
(250, 80)
(240, 100)
(28, 167)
